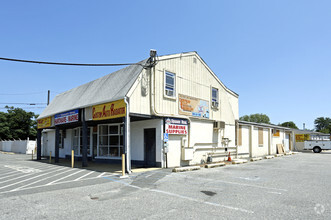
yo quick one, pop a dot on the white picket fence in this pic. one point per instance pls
(18, 146)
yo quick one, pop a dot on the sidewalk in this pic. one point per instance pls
(99, 167)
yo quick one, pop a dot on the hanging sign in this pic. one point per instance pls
(193, 106)
(44, 122)
(66, 117)
(176, 126)
(109, 110)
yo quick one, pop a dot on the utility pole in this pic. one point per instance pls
(48, 96)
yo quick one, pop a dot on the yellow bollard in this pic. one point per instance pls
(32, 154)
(50, 157)
(72, 158)
(123, 164)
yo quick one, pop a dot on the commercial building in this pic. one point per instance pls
(164, 111)
(259, 139)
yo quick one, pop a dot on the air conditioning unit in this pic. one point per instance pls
(219, 124)
(169, 93)
(214, 104)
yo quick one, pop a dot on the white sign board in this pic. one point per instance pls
(176, 126)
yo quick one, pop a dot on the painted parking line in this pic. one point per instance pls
(102, 174)
(29, 178)
(64, 177)
(29, 174)
(40, 180)
(7, 171)
(45, 185)
(181, 196)
(84, 176)
(23, 169)
(13, 174)
(230, 182)
(42, 166)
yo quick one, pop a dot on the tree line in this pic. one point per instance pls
(322, 124)
(17, 124)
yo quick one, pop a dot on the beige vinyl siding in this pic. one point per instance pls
(139, 94)
(194, 80)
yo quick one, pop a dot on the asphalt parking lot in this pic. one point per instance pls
(289, 187)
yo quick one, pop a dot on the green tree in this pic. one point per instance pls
(258, 118)
(289, 124)
(323, 124)
(4, 127)
(17, 124)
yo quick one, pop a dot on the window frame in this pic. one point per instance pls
(215, 98)
(119, 134)
(165, 85)
(79, 141)
(61, 139)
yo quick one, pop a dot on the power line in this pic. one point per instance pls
(69, 64)
(4, 103)
(28, 108)
(32, 93)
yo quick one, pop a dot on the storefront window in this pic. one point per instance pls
(78, 141)
(110, 140)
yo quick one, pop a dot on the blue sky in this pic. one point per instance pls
(275, 54)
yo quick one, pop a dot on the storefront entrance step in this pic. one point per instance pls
(214, 165)
(269, 157)
(238, 161)
(183, 169)
(279, 155)
(256, 158)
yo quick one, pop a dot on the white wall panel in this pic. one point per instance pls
(137, 138)
(245, 141)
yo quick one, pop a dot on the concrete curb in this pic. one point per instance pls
(295, 152)
(256, 158)
(214, 165)
(239, 161)
(269, 157)
(5, 152)
(288, 153)
(279, 155)
(183, 169)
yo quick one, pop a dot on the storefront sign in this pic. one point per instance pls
(109, 110)
(176, 126)
(193, 106)
(302, 137)
(44, 122)
(66, 117)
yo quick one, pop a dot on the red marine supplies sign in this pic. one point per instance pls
(66, 117)
(176, 126)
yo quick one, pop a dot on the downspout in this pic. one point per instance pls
(269, 141)
(154, 112)
(127, 149)
(251, 141)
